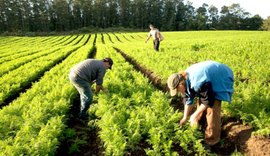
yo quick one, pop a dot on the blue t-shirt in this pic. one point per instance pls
(219, 75)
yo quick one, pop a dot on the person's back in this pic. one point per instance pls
(89, 69)
(220, 76)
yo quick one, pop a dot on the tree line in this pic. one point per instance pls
(67, 15)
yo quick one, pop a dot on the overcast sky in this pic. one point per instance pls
(261, 7)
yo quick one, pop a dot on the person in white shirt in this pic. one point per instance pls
(156, 35)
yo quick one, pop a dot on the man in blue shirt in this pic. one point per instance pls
(211, 82)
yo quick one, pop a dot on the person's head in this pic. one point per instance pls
(108, 62)
(176, 83)
(151, 26)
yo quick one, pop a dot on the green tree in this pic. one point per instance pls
(232, 17)
(180, 16)
(169, 15)
(113, 18)
(266, 24)
(156, 12)
(253, 23)
(38, 16)
(190, 17)
(213, 17)
(59, 15)
(124, 13)
(201, 17)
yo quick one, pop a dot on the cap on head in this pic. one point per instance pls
(108, 60)
(173, 82)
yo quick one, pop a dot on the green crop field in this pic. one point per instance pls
(134, 117)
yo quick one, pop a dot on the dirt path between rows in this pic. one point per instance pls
(234, 136)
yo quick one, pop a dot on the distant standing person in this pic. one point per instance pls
(156, 35)
(211, 82)
(83, 75)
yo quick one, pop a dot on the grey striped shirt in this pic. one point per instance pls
(90, 70)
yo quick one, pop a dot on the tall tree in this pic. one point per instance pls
(140, 16)
(190, 16)
(113, 18)
(154, 12)
(180, 16)
(252, 23)
(169, 15)
(266, 24)
(59, 15)
(65, 15)
(231, 17)
(202, 17)
(39, 15)
(124, 12)
(213, 17)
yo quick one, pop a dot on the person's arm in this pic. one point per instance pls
(187, 111)
(188, 101)
(149, 35)
(99, 80)
(195, 117)
(158, 35)
(99, 88)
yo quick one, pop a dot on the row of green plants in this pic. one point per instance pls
(19, 44)
(9, 48)
(135, 117)
(21, 47)
(17, 79)
(14, 63)
(247, 53)
(18, 73)
(18, 57)
(34, 123)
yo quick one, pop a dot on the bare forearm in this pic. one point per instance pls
(187, 111)
(147, 39)
(98, 88)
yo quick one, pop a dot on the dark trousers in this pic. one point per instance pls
(156, 43)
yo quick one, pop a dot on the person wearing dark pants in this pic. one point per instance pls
(211, 83)
(156, 43)
(86, 73)
(156, 35)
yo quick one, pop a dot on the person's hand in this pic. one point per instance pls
(183, 121)
(104, 90)
(193, 120)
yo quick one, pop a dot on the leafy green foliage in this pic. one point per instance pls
(33, 123)
(134, 116)
(247, 53)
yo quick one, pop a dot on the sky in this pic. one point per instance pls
(261, 7)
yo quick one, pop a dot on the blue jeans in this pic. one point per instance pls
(84, 89)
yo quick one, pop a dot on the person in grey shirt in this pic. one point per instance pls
(86, 73)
